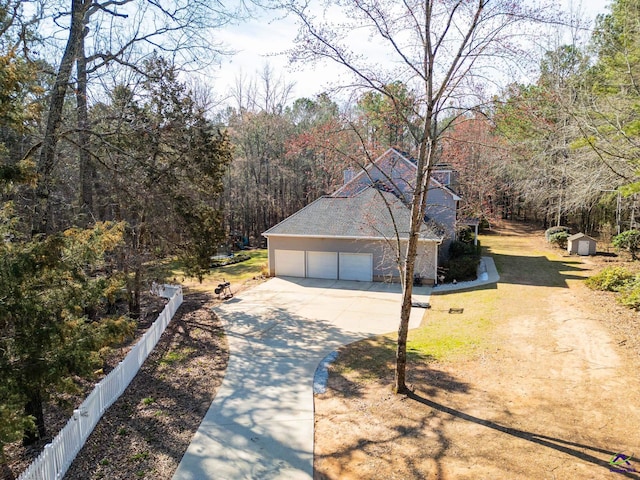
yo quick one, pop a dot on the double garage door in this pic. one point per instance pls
(331, 265)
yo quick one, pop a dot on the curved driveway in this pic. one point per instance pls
(260, 425)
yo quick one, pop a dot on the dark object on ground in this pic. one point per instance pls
(456, 310)
(223, 290)
(421, 304)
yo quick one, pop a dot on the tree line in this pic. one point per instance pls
(558, 149)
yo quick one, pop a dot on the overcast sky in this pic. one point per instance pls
(266, 40)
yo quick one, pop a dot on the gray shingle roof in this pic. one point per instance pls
(364, 215)
(576, 236)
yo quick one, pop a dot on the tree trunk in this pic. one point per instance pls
(134, 299)
(34, 408)
(134, 285)
(87, 169)
(42, 221)
(418, 206)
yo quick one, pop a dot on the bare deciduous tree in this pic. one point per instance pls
(447, 53)
(122, 33)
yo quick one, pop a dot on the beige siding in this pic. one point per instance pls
(441, 207)
(384, 264)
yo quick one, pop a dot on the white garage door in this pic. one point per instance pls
(289, 263)
(322, 265)
(356, 266)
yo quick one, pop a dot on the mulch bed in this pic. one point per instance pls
(147, 430)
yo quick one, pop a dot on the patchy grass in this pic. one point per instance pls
(442, 336)
(177, 356)
(445, 335)
(236, 273)
(520, 364)
(367, 359)
(527, 274)
(140, 456)
(530, 260)
(372, 360)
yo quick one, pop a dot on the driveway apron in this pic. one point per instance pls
(260, 425)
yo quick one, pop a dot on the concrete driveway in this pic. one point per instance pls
(260, 425)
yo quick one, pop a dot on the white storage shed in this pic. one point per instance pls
(581, 244)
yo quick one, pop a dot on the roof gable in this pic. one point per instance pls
(390, 168)
(577, 236)
(395, 171)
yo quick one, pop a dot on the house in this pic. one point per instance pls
(353, 233)
(581, 244)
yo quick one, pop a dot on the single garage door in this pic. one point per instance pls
(322, 265)
(289, 263)
(356, 266)
(583, 247)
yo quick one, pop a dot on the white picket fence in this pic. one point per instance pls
(57, 456)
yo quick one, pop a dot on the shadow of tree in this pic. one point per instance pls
(274, 354)
(426, 430)
(537, 270)
(152, 423)
(573, 449)
(373, 359)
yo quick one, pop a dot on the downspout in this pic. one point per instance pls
(435, 263)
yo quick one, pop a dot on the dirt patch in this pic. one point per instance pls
(552, 396)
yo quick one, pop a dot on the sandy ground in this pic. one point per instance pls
(553, 395)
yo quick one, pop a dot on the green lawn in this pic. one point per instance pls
(237, 273)
(444, 335)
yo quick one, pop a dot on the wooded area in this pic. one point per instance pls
(112, 157)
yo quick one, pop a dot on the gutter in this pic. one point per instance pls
(344, 237)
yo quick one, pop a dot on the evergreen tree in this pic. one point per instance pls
(56, 292)
(611, 119)
(162, 165)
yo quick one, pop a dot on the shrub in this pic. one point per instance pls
(559, 239)
(221, 262)
(610, 279)
(458, 249)
(462, 268)
(629, 240)
(264, 270)
(553, 230)
(630, 295)
(465, 234)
